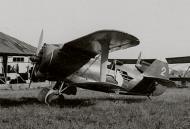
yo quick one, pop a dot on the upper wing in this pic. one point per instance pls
(11, 46)
(131, 61)
(92, 44)
(103, 42)
(63, 60)
(176, 60)
(170, 60)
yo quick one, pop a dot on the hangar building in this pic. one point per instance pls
(14, 59)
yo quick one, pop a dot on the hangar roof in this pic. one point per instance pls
(11, 46)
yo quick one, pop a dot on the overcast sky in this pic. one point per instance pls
(163, 26)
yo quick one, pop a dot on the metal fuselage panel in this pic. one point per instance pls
(90, 72)
(57, 64)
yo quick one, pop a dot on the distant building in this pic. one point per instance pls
(18, 67)
(14, 59)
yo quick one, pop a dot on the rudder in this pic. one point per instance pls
(158, 69)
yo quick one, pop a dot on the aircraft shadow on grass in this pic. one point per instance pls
(69, 102)
(6, 102)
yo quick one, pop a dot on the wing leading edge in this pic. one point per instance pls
(63, 60)
(102, 42)
(92, 43)
(176, 60)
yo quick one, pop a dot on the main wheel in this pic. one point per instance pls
(42, 94)
(51, 97)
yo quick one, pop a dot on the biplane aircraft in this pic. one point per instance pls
(183, 78)
(83, 63)
(145, 63)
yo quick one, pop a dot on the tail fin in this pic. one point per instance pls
(158, 69)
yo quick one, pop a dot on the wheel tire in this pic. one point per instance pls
(42, 94)
(52, 98)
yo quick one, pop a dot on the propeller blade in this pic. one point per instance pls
(40, 43)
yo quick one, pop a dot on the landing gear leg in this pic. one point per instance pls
(149, 97)
(56, 93)
(48, 95)
(42, 94)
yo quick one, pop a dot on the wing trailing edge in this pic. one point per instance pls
(92, 43)
(67, 58)
(101, 42)
(177, 60)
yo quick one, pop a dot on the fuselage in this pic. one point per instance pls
(90, 72)
(54, 67)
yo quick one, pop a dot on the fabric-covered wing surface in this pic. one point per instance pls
(63, 60)
(101, 42)
(92, 43)
(176, 60)
(180, 78)
(130, 61)
(13, 46)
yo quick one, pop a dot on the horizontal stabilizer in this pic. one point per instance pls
(164, 82)
(180, 78)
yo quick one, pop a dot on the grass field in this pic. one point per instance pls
(95, 110)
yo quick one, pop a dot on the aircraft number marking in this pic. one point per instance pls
(163, 71)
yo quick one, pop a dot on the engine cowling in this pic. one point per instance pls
(42, 61)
